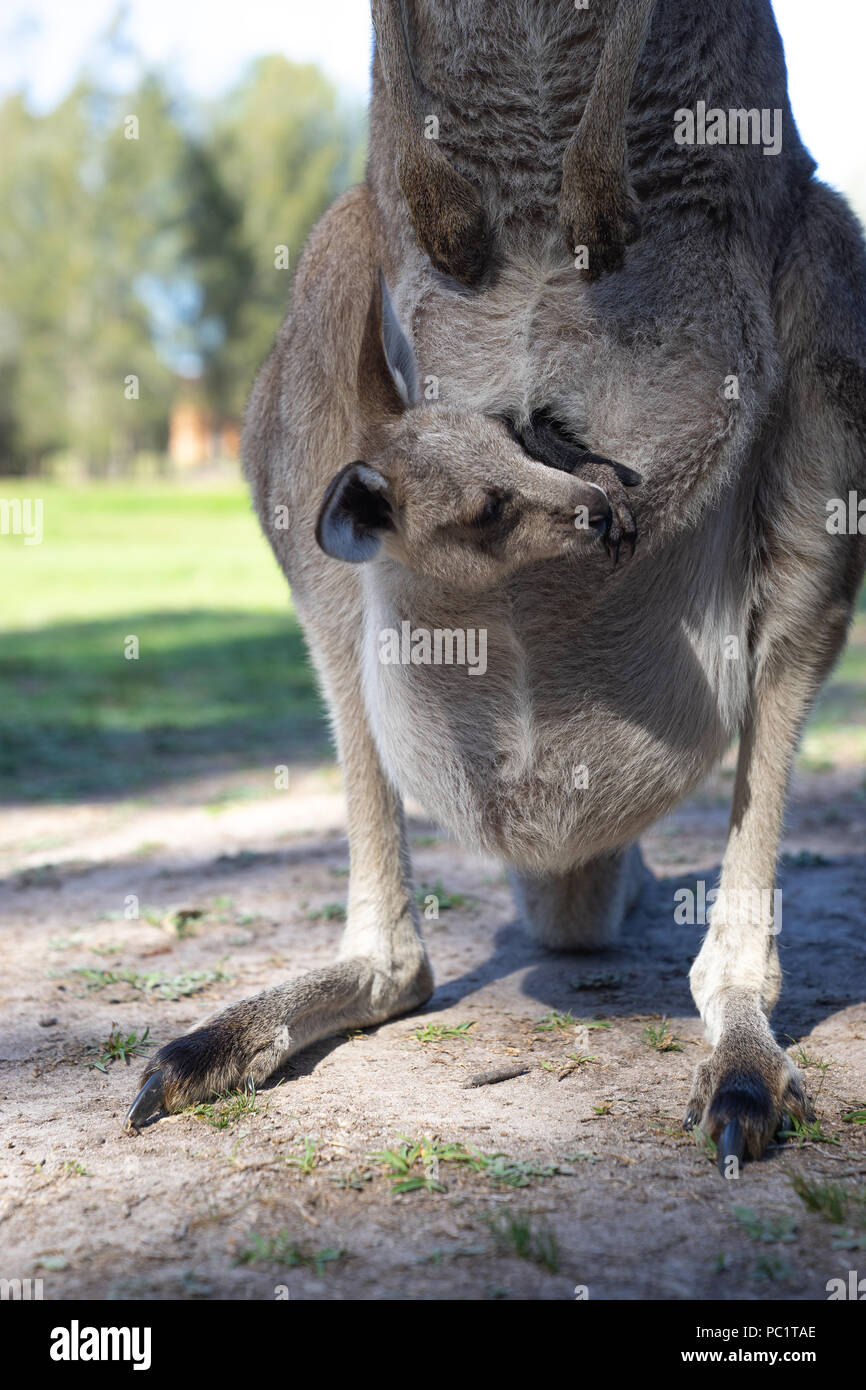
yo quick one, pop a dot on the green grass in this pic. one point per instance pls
(222, 677)
(329, 912)
(828, 1199)
(779, 1231)
(556, 1022)
(660, 1038)
(608, 979)
(119, 1047)
(413, 1165)
(111, 547)
(172, 987)
(445, 901)
(773, 1268)
(836, 733)
(808, 1132)
(281, 1249)
(308, 1157)
(435, 1032)
(226, 1110)
(518, 1233)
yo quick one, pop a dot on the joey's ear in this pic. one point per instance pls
(355, 511)
(398, 350)
(387, 371)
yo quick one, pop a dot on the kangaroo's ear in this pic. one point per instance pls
(387, 370)
(356, 509)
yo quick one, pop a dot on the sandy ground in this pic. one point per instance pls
(616, 1198)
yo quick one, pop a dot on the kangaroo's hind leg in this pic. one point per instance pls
(806, 582)
(382, 969)
(300, 426)
(741, 1093)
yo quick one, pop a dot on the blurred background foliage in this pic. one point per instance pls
(154, 257)
(158, 257)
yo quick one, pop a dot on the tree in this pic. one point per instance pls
(283, 148)
(139, 245)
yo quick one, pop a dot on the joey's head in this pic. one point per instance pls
(452, 497)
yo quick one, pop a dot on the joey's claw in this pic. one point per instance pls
(149, 1100)
(554, 444)
(606, 474)
(731, 1145)
(690, 1119)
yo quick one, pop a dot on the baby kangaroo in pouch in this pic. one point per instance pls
(457, 499)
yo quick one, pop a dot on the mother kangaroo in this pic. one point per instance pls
(612, 247)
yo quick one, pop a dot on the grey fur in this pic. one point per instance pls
(746, 267)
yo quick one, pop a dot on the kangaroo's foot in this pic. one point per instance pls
(746, 1087)
(746, 1091)
(248, 1042)
(448, 216)
(597, 210)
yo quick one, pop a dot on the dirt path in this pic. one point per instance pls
(237, 886)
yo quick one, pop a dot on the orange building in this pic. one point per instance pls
(196, 438)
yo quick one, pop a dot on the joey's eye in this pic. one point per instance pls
(492, 510)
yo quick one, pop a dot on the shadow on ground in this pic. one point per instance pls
(633, 1207)
(207, 691)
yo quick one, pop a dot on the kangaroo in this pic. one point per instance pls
(452, 222)
(724, 362)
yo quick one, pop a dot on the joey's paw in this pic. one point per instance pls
(185, 1071)
(449, 218)
(742, 1096)
(614, 478)
(598, 210)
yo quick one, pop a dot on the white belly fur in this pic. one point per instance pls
(584, 728)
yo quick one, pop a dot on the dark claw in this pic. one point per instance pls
(690, 1120)
(731, 1145)
(627, 476)
(249, 1086)
(149, 1100)
(613, 549)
